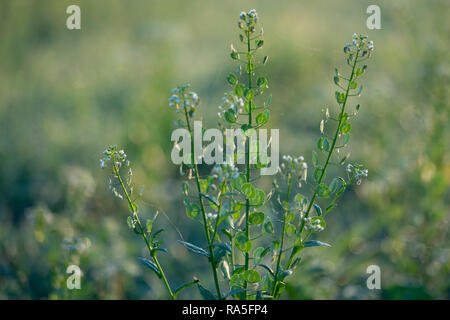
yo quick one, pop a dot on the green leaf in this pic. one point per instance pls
(346, 139)
(234, 55)
(249, 93)
(346, 127)
(259, 253)
(184, 286)
(193, 210)
(250, 67)
(266, 283)
(317, 173)
(239, 90)
(290, 229)
(296, 261)
(290, 216)
(256, 218)
(357, 107)
(204, 186)
(268, 101)
(336, 79)
(298, 198)
(194, 248)
(360, 90)
(252, 276)
(209, 198)
(248, 190)
(315, 243)
(259, 43)
(150, 265)
(185, 188)
(353, 85)
(237, 280)
(232, 79)
(149, 225)
(224, 246)
(267, 268)
(262, 83)
(263, 117)
(265, 59)
(268, 226)
(246, 127)
(233, 292)
(318, 209)
(242, 242)
(330, 207)
(155, 234)
(258, 199)
(133, 207)
(130, 222)
(334, 185)
(230, 116)
(323, 190)
(238, 182)
(315, 159)
(205, 293)
(323, 144)
(326, 144)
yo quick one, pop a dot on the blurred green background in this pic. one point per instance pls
(65, 95)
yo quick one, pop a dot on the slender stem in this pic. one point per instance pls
(275, 285)
(142, 232)
(333, 144)
(250, 106)
(222, 186)
(202, 207)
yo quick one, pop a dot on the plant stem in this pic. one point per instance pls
(202, 207)
(142, 232)
(275, 285)
(247, 161)
(330, 153)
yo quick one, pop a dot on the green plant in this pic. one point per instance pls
(241, 243)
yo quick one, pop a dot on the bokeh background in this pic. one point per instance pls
(65, 95)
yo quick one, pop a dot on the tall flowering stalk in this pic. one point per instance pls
(117, 159)
(251, 256)
(186, 103)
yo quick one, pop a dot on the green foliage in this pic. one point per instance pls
(56, 210)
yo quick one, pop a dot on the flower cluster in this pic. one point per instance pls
(248, 20)
(359, 44)
(291, 166)
(314, 224)
(233, 102)
(184, 101)
(119, 159)
(357, 172)
(223, 172)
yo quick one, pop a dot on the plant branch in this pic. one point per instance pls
(322, 176)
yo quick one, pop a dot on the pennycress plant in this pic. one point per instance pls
(118, 162)
(248, 258)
